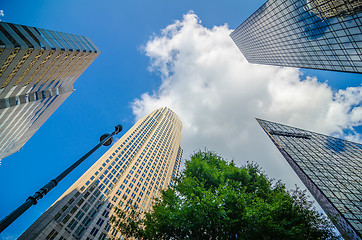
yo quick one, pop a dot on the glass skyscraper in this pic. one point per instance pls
(133, 170)
(37, 70)
(330, 168)
(315, 34)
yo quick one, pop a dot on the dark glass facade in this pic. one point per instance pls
(315, 34)
(329, 167)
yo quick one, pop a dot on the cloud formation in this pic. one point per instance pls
(217, 94)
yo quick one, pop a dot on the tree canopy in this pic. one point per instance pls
(214, 199)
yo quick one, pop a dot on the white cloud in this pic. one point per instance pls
(217, 94)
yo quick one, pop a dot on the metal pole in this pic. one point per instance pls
(106, 140)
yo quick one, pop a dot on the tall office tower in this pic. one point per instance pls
(329, 167)
(133, 170)
(316, 34)
(37, 70)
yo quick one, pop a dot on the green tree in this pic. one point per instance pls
(214, 199)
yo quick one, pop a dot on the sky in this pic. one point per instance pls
(176, 54)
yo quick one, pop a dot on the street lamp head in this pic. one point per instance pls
(118, 128)
(108, 142)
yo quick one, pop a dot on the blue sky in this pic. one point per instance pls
(136, 73)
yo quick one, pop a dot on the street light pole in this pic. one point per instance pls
(106, 140)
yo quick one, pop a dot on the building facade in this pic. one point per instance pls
(143, 161)
(329, 167)
(315, 34)
(37, 70)
(335, 8)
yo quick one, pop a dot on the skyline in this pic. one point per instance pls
(188, 59)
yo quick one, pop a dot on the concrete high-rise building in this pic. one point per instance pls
(37, 70)
(329, 167)
(135, 168)
(315, 34)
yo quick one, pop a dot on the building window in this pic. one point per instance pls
(102, 236)
(106, 191)
(92, 212)
(79, 215)
(100, 222)
(86, 221)
(57, 216)
(85, 207)
(64, 208)
(65, 220)
(80, 230)
(80, 202)
(72, 224)
(114, 232)
(94, 231)
(107, 227)
(51, 235)
(105, 213)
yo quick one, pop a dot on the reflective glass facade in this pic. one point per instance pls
(37, 70)
(143, 161)
(329, 167)
(315, 34)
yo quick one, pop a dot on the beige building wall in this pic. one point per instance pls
(143, 161)
(37, 70)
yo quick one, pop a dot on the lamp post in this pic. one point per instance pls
(106, 140)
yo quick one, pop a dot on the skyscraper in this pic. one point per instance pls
(37, 70)
(133, 170)
(316, 34)
(329, 167)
